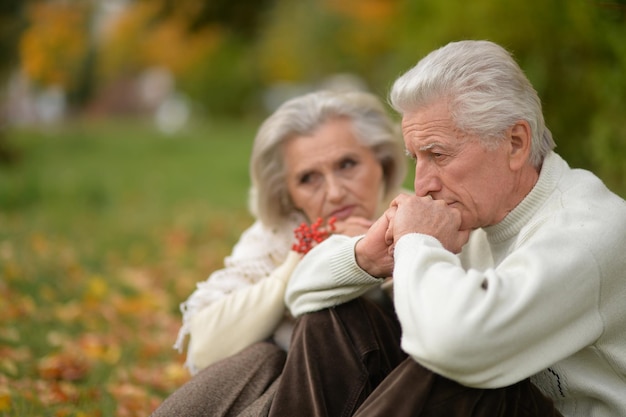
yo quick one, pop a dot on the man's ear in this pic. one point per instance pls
(519, 136)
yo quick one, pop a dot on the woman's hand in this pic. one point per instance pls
(373, 253)
(309, 236)
(353, 226)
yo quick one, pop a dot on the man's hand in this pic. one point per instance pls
(424, 215)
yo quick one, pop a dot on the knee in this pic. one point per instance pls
(262, 351)
(331, 321)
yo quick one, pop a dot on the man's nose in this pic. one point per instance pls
(426, 179)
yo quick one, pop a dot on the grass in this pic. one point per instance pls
(104, 229)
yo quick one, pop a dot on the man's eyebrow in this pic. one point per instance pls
(429, 146)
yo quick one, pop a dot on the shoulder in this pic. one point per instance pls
(262, 240)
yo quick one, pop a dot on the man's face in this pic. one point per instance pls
(456, 168)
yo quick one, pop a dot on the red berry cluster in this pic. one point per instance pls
(307, 236)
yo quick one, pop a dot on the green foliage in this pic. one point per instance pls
(309, 40)
(11, 25)
(242, 16)
(226, 81)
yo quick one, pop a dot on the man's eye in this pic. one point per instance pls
(347, 163)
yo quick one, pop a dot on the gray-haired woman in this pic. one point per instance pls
(321, 155)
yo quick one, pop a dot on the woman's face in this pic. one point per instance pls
(331, 174)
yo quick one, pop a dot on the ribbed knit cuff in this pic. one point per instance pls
(344, 268)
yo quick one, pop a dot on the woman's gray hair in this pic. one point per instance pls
(486, 90)
(269, 198)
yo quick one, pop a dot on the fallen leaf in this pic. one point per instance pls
(63, 366)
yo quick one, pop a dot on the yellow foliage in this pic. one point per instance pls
(53, 46)
(280, 60)
(97, 289)
(137, 41)
(5, 399)
(381, 11)
(295, 45)
(171, 46)
(282, 49)
(120, 50)
(98, 349)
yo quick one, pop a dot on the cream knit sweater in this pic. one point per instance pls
(541, 294)
(242, 303)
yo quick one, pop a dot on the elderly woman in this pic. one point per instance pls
(318, 156)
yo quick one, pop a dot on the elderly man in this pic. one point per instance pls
(508, 269)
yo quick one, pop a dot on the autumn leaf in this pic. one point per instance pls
(5, 399)
(65, 365)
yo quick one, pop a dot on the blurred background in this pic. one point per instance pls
(125, 130)
(175, 61)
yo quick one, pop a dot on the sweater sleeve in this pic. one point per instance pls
(253, 311)
(327, 276)
(493, 327)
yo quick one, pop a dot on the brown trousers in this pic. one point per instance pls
(239, 386)
(346, 361)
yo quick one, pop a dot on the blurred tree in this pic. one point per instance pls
(367, 35)
(143, 37)
(201, 60)
(243, 17)
(225, 80)
(311, 39)
(252, 44)
(12, 23)
(120, 52)
(54, 45)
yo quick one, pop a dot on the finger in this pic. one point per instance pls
(389, 233)
(462, 239)
(390, 214)
(397, 200)
(362, 221)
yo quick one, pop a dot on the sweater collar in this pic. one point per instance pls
(552, 168)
